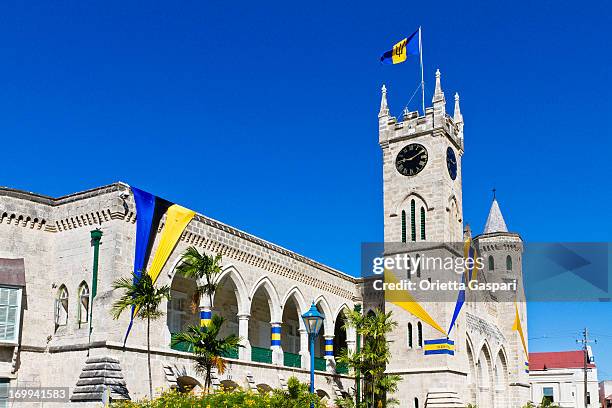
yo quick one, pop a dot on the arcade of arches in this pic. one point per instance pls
(258, 317)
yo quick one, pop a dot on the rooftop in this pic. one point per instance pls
(557, 359)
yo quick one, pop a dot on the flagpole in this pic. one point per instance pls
(422, 77)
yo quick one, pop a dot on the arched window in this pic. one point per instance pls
(413, 220)
(419, 334)
(422, 223)
(509, 263)
(61, 307)
(83, 310)
(416, 402)
(403, 226)
(491, 263)
(409, 335)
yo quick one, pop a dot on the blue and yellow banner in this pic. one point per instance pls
(205, 317)
(276, 336)
(329, 347)
(527, 367)
(400, 51)
(149, 211)
(471, 270)
(439, 346)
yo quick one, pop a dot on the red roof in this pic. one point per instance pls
(557, 359)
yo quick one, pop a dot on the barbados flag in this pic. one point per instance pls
(401, 50)
(439, 346)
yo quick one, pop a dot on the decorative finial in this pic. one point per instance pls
(438, 94)
(457, 117)
(494, 190)
(384, 109)
(406, 112)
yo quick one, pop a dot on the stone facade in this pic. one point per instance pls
(425, 210)
(259, 280)
(262, 287)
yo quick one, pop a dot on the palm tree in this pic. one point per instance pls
(373, 357)
(208, 349)
(145, 298)
(202, 268)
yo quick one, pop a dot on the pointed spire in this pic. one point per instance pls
(438, 93)
(495, 220)
(384, 108)
(457, 117)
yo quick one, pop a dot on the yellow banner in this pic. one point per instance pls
(519, 328)
(404, 299)
(177, 219)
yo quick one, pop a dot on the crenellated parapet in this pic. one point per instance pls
(413, 124)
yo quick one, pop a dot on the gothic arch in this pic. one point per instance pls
(404, 203)
(272, 295)
(486, 383)
(343, 307)
(501, 379)
(472, 376)
(298, 296)
(328, 323)
(232, 273)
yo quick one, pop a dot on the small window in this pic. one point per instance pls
(422, 224)
(509, 263)
(547, 392)
(10, 312)
(403, 226)
(420, 334)
(61, 307)
(413, 220)
(83, 311)
(409, 335)
(491, 263)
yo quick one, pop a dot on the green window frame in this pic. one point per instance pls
(403, 226)
(410, 335)
(491, 263)
(423, 223)
(509, 262)
(413, 219)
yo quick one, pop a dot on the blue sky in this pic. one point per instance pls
(264, 116)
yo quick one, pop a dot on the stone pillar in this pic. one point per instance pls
(205, 311)
(351, 339)
(328, 353)
(244, 352)
(275, 344)
(304, 349)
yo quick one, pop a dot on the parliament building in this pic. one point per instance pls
(47, 305)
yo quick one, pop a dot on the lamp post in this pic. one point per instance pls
(313, 320)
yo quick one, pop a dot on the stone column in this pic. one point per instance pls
(205, 311)
(304, 351)
(328, 353)
(351, 339)
(244, 352)
(275, 344)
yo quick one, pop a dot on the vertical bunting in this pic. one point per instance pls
(205, 317)
(177, 219)
(149, 211)
(329, 347)
(276, 336)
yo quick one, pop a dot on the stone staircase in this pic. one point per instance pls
(99, 374)
(441, 398)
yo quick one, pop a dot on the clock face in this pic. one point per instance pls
(411, 159)
(451, 163)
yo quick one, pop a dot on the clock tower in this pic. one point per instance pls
(422, 172)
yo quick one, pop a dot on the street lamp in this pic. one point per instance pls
(313, 320)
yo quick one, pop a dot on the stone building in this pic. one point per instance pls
(46, 277)
(559, 378)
